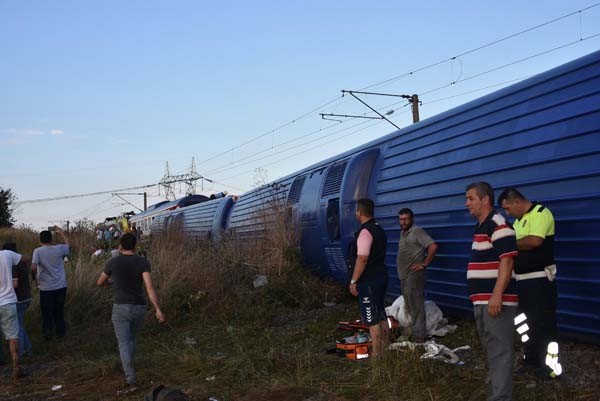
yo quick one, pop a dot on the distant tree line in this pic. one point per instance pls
(7, 197)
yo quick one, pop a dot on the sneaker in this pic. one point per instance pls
(128, 388)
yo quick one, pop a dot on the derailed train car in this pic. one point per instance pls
(541, 135)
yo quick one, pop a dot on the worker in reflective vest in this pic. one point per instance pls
(535, 271)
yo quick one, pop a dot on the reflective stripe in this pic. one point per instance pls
(552, 359)
(522, 329)
(549, 272)
(520, 319)
(524, 338)
(528, 276)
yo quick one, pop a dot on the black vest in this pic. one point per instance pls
(376, 263)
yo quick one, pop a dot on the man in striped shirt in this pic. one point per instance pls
(491, 288)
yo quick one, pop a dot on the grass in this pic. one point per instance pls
(226, 339)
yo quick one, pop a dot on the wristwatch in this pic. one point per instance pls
(352, 282)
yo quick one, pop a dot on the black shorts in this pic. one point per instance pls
(371, 295)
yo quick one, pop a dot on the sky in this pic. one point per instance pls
(98, 95)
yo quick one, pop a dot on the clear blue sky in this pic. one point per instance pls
(99, 95)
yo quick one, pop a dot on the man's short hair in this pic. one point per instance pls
(46, 237)
(406, 210)
(10, 246)
(510, 194)
(482, 189)
(366, 207)
(128, 242)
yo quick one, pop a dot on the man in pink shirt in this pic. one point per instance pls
(369, 274)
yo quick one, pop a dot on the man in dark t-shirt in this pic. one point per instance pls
(127, 272)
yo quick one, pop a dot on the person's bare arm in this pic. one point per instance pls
(33, 272)
(64, 235)
(504, 276)
(152, 295)
(529, 242)
(431, 250)
(103, 279)
(359, 268)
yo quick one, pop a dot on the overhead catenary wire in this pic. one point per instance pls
(88, 209)
(481, 47)
(309, 149)
(56, 198)
(511, 63)
(236, 164)
(406, 74)
(272, 131)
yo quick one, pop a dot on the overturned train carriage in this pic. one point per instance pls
(541, 135)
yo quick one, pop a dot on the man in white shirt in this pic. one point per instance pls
(9, 323)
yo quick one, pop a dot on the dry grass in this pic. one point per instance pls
(224, 338)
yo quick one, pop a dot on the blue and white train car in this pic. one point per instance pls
(201, 221)
(541, 135)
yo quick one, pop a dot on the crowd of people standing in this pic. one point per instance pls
(510, 279)
(127, 272)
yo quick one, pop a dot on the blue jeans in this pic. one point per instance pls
(127, 320)
(24, 343)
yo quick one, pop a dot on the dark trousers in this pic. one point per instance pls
(537, 300)
(53, 312)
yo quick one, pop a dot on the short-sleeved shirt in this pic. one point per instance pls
(51, 266)
(363, 243)
(537, 221)
(127, 281)
(493, 241)
(411, 249)
(23, 290)
(8, 259)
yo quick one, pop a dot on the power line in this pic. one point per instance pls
(82, 195)
(237, 164)
(272, 131)
(511, 63)
(533, 28)
(88, 209)
(409, 73)
(309, 149)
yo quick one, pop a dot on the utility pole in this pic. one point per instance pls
(414, 100)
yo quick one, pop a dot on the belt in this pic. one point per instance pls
(549, 272)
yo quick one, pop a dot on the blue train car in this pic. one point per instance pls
(203, 221)
(541, 135)
(145, 219)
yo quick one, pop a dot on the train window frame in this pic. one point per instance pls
(332, 219)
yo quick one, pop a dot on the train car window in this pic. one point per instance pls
(333, 219)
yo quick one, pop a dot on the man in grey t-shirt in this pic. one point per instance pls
(48, 270)
(416, 250)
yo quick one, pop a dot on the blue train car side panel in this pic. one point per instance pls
(203, 221)
(542, 136)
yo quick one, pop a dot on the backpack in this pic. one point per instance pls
(162, 393)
